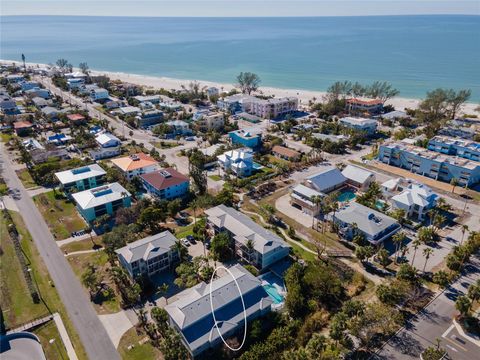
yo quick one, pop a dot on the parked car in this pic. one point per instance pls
(185, 242)
(191, 239)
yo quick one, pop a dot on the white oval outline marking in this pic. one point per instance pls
(213, 312)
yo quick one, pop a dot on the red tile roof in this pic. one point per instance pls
(75, 117)
(364, 102)
(22, 124)
(159, 181)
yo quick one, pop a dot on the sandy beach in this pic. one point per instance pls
(157, 82)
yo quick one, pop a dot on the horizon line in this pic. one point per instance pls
(236, 17)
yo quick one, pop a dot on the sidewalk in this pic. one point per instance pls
(65, 338)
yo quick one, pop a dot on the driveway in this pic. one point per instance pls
(283, 205)
(116, 325)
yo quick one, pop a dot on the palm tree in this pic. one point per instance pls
(416, 244)
(464, 229)
(89, 231)
(427, 252)
(194, 206)
(316, 200)
(398, 240)
(250, 246)
(454, 183)
(163, 289)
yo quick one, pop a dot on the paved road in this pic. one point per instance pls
(85, 320)
(434, 322)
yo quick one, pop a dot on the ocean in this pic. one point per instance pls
(414, 53)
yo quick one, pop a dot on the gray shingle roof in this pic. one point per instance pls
(244, 228)
(326, 179)
(149, 247)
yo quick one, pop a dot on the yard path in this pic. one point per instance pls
(83, 252)
(69, 240)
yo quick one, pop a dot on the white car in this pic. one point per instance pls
(185, 242)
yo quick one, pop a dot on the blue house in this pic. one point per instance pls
(452, 146)
(82, 178)
(251, 138)
(102, 200)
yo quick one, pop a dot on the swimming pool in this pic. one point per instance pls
(346, 195)
(273, 293)
(257, 166)
(379, 204)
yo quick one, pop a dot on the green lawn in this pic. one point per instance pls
(42, 279)
(137, 351)
(61, 216)
(82, 244)
(15, 300)
(164, 144)
(184, 231)
(215, 177)
(5, 137)
(47, 332)
(26, 178)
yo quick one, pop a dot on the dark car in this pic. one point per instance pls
(191, 239)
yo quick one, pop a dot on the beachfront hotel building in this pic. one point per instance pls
(82, 178)
(268, 248)
(453, 146)
(191, 315)
(360, 124)
(372, 106)
(265, 108)
(149, 256)
(102, 200)
(438, 166)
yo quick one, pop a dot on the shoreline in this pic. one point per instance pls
(157, 82)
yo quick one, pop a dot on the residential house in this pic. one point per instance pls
(50, 112)
(8, 106)
(371, 106)
(213, 91)
(107, 140)
(356, 218)
(358, 177)
(75, 83)
(234, 296)
(15, 78)
(239, 161)
(395, 115)
(467, 133)
(135, 165)
(303, 198)
(42, 155)
(235, 103)
(273, 108)
(251, 138)
(22, 128)
(59, 139)
(82, 178)
(39, 92)
(40, 102)
(252, 243)
(76, 119)
(429, 163)
(28, 85)
(206, 120)
(179, 127)
(329, 137)
(368, 126)
(104, 153)
(102, 200)
(327, 180)
(166, 183)
(98, 93)
(149, 118)
(129, 110)
(149, 256)
(286, 153)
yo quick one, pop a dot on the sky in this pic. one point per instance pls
(238, 7)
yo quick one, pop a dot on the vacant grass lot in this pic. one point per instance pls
(82, 245)
(138, 351)
(99, 259)
(47, 332)
(50, 299)
(26, 178)
(60, 214)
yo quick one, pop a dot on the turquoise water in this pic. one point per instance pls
(345, 196)
(273, 293)
(379, 204)
(257, 166)
(414, 53)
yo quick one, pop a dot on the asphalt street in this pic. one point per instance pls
(93, 335)
(435, 322)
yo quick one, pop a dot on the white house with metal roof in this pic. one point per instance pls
(149, 256)
(358, 177)
(268, 248)
(416, 200)
(360, 124)
(374, 225)
(191, 315)
(107, 140)
(102, 200)
(82, 178)
(239, 161)
(303, 198)
(327, 180)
